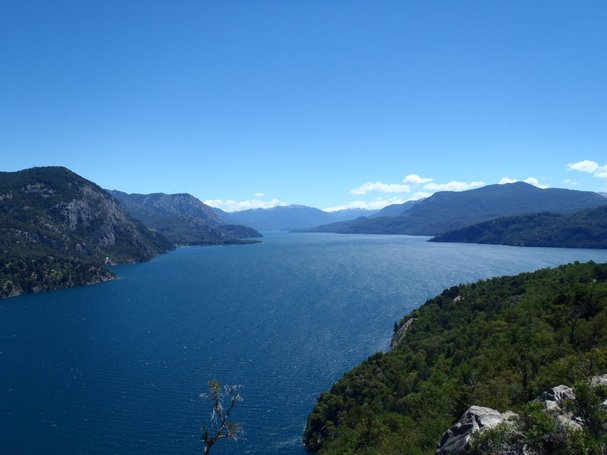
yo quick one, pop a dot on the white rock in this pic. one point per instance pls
(476, 419)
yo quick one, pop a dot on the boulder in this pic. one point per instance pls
(554, 397)
(476, 419)
(597, 381)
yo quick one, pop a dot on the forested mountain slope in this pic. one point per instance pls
(58, 229)
(496, 343)
(583, 229)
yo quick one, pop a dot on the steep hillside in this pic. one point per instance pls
(182, 218)
(583, 229)
(58, 229)
(497, 343)
(448, 210)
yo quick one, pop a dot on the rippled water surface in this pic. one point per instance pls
(118, 367)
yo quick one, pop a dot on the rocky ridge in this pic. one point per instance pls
(183, 219)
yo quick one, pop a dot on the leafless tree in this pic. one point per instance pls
(219, 425)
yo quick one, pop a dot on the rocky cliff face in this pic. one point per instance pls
(182, 218)
(58, 229)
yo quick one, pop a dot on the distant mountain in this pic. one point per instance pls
(583, 229)
(182, 218)
(350, 214)
(396, 209)
(289, 217)
(58, 229)
(448, 210)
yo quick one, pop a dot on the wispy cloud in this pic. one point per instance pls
(587, 166)
(367, 205)
(377, 204)
(419, 195)
(601, 172)
(453, 186)
(535, 182)
(530, 180)
(381, 188)
(416, 179)
(422, 187)
(230, 205)
(258, 195)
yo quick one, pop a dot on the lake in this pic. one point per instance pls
(118, 367)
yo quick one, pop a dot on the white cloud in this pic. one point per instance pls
(570, 182)
(235, 206)
(530, 180)
(587, 166)
(535, 182)
(419, 195)
(601, 172)
(416, 179)
(377, 204)
(368, 205)
(381, 187)
(453, 186)
(259, 195)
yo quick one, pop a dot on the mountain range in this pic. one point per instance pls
(58, 229)
(182, 218)
(290, 217)
(448, 210)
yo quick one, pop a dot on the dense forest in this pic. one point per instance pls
(583, 229)
(496, 343)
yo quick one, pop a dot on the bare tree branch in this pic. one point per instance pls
(219, 426)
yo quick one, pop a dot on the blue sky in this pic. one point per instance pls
(322, 103)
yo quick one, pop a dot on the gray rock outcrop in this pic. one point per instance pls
(475, 420)
(400, 334)
(554, 400)
(599, 381)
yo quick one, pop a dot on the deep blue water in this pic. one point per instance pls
(118, 367)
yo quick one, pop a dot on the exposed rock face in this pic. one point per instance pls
(400, 334)
(476, 419)
(600, 381)
(182, 218)
(553, 399)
